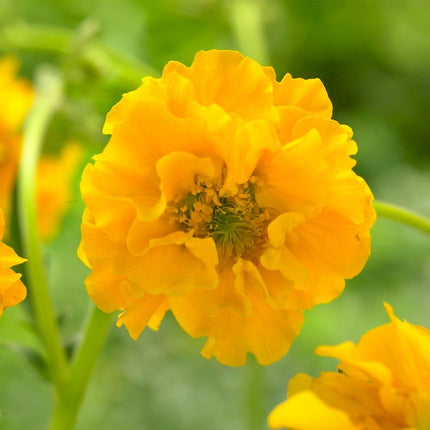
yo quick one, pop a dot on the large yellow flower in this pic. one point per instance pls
(228, 198)
(16, 96)
(383, 383)
(12, 290)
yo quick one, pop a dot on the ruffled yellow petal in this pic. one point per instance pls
(141, 232)
(383, 384)
(156, 133)
(8, 256)
(336, 400)
(331, 239)
(307, 94)
(150, 89)
(305, 411)
(175, 183)
(11, 294)
(111, 291)
(125, 194)
(139, 313)
(104, 287)
(353, 366)
(308, 254)
(350, 196)
(191, 262)
(232, 290)
(241, 155)
(12, 290)
(158, 315)
(296, 178)
(281, 293)
(337, 137)
(181, 96)
(278, 256)
(268, 333)
(96, 245)
(216, 75)
(403, 349)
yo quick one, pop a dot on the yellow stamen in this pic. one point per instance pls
(235, 222)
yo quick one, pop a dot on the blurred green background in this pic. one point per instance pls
(374, 59)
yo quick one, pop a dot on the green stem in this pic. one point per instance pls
(57, 40)
(247, 22)
(404, 216)
(70, 397)
(48, 89)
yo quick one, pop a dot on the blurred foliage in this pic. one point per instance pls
(373, 57)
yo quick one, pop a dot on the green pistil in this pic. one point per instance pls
(235, 222)
(233, 229)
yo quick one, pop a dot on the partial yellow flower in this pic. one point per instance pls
(53, 188)
(383, 383)
(12, 290)
(16, 96)
(228, 198)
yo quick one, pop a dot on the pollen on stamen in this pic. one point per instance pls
(235, 221)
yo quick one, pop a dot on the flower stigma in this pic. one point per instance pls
(235, 221)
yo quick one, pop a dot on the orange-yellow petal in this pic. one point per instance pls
(268, 333)
(104, 287)
(340, 245)
(307, 94)
(12, 290)
(139, 313)
(228, 79)
(306, 411)
(191, 262)
(177, 183)
(296, 178)
(383, 384)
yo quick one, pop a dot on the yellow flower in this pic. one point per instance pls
(12, 290)
(383, 383)
(16, 96)
(53, 195)
(228, 198)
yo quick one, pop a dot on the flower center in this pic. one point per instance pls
(235, 222)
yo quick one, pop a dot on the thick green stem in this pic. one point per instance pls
(48, 90)
(404, 216)
(70, 397)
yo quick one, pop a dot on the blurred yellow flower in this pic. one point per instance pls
(12, 290)
(228, 198)
(16, 96)
(53, 188)
(383, 383)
